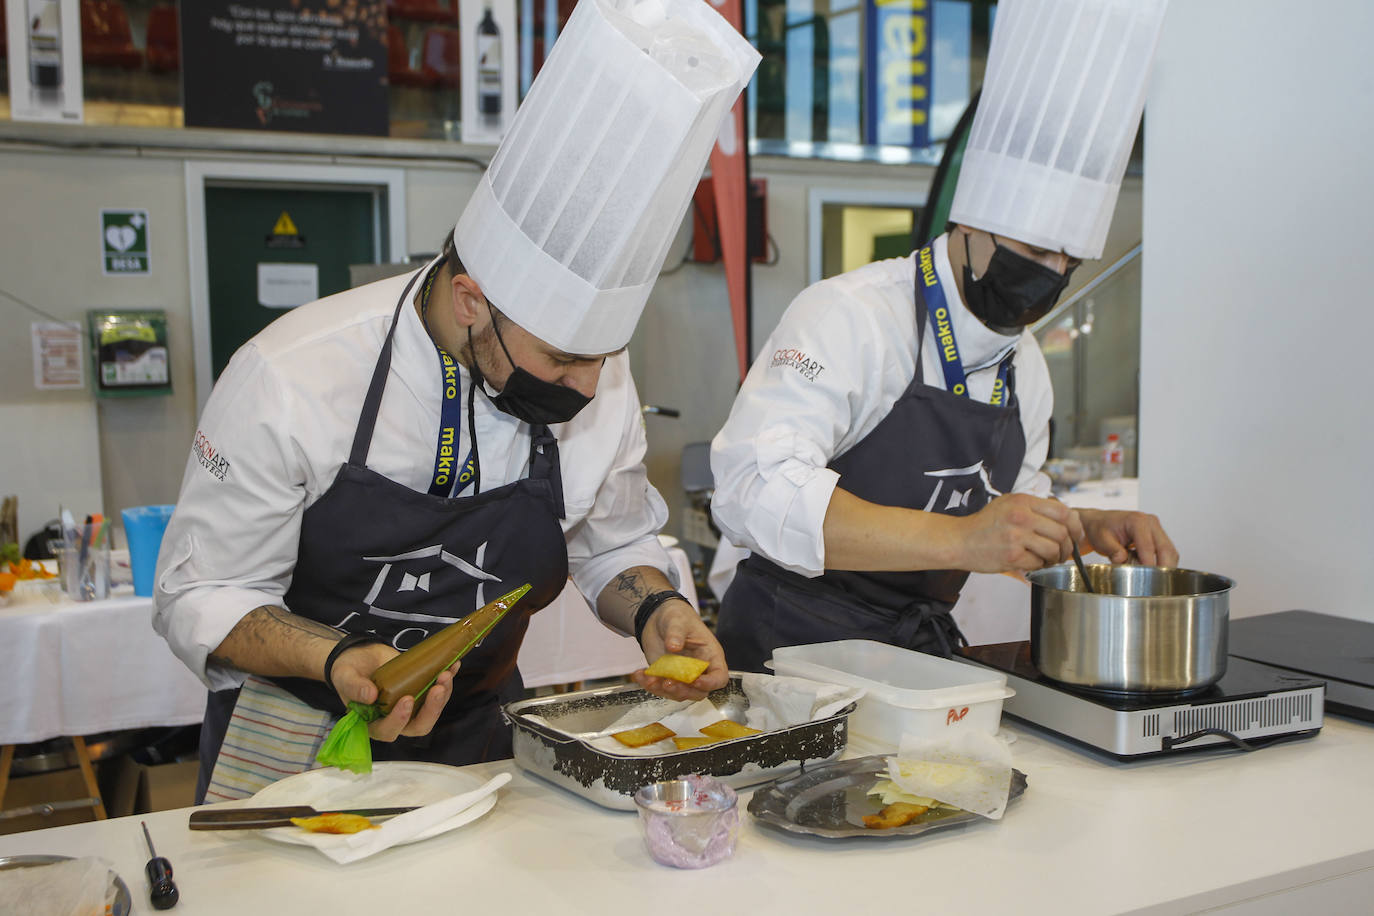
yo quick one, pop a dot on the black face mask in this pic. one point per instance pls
(1014, 291)
(531, 399)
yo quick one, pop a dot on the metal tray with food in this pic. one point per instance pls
(549, 742)
(832, 800)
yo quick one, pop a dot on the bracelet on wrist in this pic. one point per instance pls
(340, 647)
(649, 605)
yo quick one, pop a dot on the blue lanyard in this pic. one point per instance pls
(449, 479)
(938, 307)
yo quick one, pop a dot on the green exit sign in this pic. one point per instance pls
(124, 242)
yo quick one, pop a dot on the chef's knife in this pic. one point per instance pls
(258, 818)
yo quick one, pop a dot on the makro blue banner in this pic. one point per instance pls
(897, 83)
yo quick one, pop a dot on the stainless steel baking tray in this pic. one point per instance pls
(831, 800)
(553, 751)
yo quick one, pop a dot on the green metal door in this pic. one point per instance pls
(247, 226)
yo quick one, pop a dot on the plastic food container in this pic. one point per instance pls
(909, 693)
(689, 822)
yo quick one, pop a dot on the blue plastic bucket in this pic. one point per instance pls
(143, 528)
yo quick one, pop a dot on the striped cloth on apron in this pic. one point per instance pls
(272, 735)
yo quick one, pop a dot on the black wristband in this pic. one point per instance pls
(340, 647)
(647, 608)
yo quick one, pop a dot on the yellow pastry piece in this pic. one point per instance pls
(682, 668)
(728, 728)
(645, 734)
(334, 823)
(686, 744)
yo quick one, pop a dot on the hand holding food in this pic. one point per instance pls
(682, 668)
(676, 629)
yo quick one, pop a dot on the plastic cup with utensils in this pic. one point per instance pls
(84, 576)
(143, 530)
(689, 822)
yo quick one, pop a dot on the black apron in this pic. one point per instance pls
(934, 451)
(378, 557)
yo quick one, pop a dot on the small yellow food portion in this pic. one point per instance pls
(896, 814)
(686, 744)
(334, 823)
(728, 728)
(682, 668)
(646, 734)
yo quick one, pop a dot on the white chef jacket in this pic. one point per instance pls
(280, 424)
(842, 354)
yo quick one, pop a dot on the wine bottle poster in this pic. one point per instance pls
(44, 38)
(314, 66)
(488, 61)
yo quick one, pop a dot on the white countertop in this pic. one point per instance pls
(1173, 834)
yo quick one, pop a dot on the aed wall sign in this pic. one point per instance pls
(898, 38)
(124, 242)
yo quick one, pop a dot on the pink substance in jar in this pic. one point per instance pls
(689, 822)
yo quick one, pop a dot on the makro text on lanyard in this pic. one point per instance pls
(450, 416)
(955, 379)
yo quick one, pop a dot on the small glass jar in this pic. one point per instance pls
(689, 822)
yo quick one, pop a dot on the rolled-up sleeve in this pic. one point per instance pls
(801, 397)
(620, 529)
(231, 544)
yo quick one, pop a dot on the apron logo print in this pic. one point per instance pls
(959, 499)
(955, 715)
(416, 568)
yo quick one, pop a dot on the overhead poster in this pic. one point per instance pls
(488, 61)
(314, 66)
(44, 38)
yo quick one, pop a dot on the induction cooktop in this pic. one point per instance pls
(1252, 705)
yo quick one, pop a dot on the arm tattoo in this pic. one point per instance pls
(631, 586)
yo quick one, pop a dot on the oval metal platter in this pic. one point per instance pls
(831, 800)
(121, 905)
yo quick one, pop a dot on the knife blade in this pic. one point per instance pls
(259, 818)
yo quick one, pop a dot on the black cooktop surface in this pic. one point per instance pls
(1243, 679)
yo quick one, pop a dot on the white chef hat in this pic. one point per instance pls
(569, 226)
(1062, 98)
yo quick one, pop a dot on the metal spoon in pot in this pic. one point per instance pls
(1082, 570)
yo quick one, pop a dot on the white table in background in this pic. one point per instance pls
(566, 642)
(1285, 829)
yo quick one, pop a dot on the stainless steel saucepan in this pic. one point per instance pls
(1147, 629)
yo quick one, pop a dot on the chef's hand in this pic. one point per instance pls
(677, 628)
(1114, 534)
(1018, 532)
(352, 681)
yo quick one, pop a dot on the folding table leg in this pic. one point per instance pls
(83, 759)
(6, 760)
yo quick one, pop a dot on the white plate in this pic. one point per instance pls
(390, 784)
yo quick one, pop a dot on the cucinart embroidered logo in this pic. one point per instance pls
(209, 457)
(796, 359)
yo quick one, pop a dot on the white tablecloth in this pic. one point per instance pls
(73, 668)
(566, 642)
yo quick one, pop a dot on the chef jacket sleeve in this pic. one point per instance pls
(815, 379)
(1035, 393)
(620, 529)
(230, 546)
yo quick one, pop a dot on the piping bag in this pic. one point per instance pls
(411, 673)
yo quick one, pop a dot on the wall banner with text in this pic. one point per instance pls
(312, 66)
(898, 36)
(488, 60)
